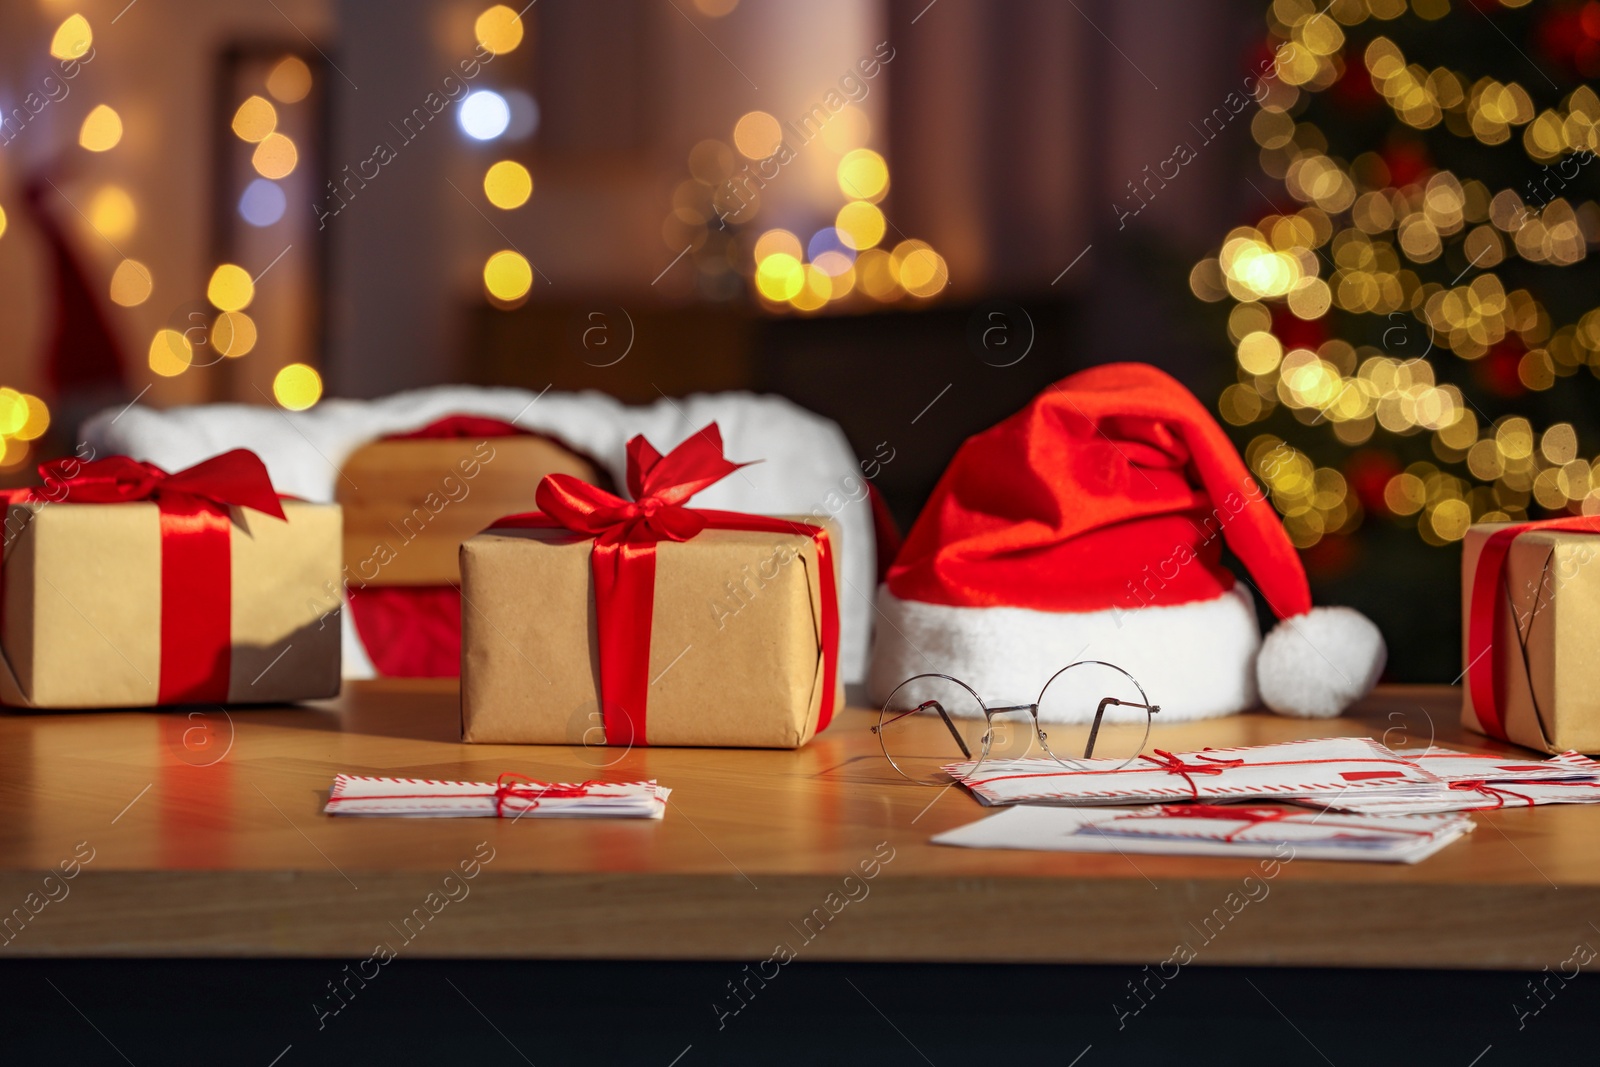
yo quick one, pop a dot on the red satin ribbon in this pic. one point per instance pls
(1485, 680)
(623, 562)
(1497, 793)
(1249, 816)
(196, 550)
(1175, 765)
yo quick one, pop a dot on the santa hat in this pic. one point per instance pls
(1090, 525)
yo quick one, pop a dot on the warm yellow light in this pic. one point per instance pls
(863, 175)
(233, 333)
(774, 241)
(170, 353)
(2, 221)
(297, 387)
(815, 290)
(38, 420)
(715, 8)
(111, 212)
(499, 29)
(875, 272)
(290, 80)
(508, 185)
(131, 283)
(230, 288)
(255, 120)
(860, 224)
(507, 276)
(13, 411)
(780, 276)
(921, 270)
(72, 38)
(275, 156)
(101, 129)
(757, 135)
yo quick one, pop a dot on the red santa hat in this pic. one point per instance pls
(1090, 525)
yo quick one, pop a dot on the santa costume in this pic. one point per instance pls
(1090, 525)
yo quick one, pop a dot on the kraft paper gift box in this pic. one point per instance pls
(732, 641)
(172, 598)
(1533, 667)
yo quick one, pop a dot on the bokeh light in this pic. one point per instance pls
(112, 213)
(255, 119)
(38, 420)
(775, 241)
(297, 387)
(13, 411)
(921, 270)
(507, 276)
(507, 184)
(101, 129)
(499, 29)
(230, 288)
(860, 224)
(233, 333)
(262, 203)
(170, 353)
(715, 8)
(863, 175)
(780, 276)
(757, 135)
(483, 115)
(290, 81)
(72, 38)
(275, 156)
(131, 283)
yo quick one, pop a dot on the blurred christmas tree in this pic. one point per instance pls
(1414, 312)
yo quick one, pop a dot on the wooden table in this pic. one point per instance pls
(208, 839)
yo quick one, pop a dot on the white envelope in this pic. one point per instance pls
(1153, 831)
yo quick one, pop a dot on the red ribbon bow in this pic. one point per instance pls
(1175, 765)
(1485, 679)
(196, 550)
(514, 786)
(623, 562)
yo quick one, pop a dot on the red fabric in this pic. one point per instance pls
(410, 631)
(84, 353)
(623, 562)
(196, 602)
(196, 551)
(1485, 625)
(885, 532)
(1108, 490)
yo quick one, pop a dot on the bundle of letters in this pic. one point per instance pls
(512, 797)
(1377, 804)
(1468, 781)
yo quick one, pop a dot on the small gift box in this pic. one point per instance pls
(1530, 604)
(126, 586)
(598, 620)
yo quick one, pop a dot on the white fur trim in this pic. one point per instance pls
(1315, 665)
(1197, 660)
(807, 465)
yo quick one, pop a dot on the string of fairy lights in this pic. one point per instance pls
(843, 262)
(1351, 248)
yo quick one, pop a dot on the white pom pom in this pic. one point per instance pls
(1315, 665)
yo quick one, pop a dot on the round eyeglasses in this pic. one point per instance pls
(1094, 711)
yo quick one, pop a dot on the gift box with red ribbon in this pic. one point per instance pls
(126, 586)
(601, 621)
(1530, 599)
